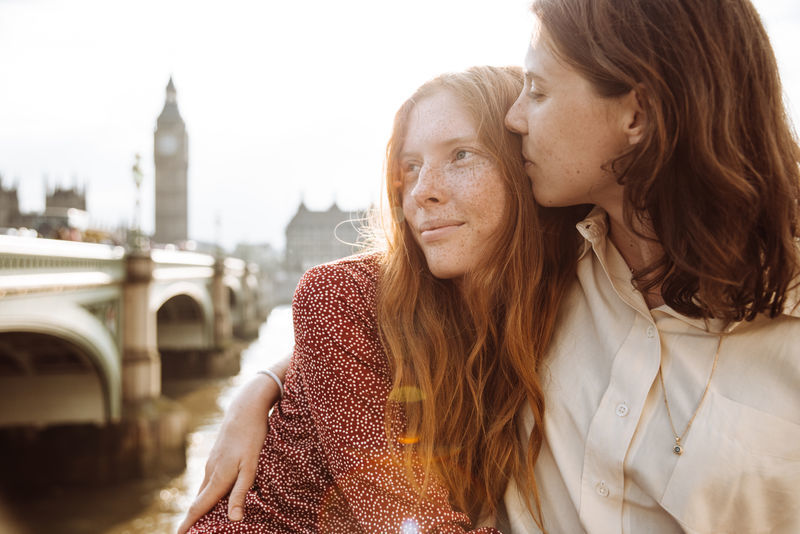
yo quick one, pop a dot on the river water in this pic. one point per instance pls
(157, 505)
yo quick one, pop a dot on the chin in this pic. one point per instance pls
(547, 202)
(541, 197)
(445, 272)
(552, 201)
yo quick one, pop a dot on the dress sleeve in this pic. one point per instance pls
(344, 373)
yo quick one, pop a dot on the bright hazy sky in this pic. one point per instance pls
(283, 100)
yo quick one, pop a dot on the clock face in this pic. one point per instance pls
(166, 144)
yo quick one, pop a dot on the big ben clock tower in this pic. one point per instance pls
(172, 164)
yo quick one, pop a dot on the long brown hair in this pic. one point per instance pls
(469, 353)
(716, 175)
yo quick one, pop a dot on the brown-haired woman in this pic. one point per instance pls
(674, 397)
(412, 366)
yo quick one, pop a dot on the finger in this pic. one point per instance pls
(184, 526)
(192, 515)
(238, 494)
(212, 467)
(204, 502)
(206, 478)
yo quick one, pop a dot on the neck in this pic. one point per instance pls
(638, 247)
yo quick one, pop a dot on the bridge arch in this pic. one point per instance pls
(235, 288)
(184, 316)
(79, 381)
(236, 297)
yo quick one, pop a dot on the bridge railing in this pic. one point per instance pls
(181, 265)
(35, 264)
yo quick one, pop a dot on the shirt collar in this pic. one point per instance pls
(594, 229)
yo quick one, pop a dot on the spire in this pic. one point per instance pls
(170, 113)
(172, 94)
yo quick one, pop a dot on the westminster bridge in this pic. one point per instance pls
(86, 332)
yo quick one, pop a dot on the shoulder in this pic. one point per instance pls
(338, 296)
(361, 269)
(353, 279)
(334, 314)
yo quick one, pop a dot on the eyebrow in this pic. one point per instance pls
(454, 141)
(533, 77)
(461, 140)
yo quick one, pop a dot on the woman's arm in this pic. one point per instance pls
(234, 457)
(326, 464)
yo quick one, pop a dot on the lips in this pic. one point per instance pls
(526, 160)
(527, 164)
(438, 229)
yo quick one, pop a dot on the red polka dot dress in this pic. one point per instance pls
(326, 464)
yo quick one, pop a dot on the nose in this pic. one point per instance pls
(515, 118)
(430, 186)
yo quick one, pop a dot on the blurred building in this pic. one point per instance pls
(268, 259)
(269, 262)
(64, 216)
(9, 206)
(63, 198)
(171, 146)
(314, 237)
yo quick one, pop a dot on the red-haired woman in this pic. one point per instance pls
(411, 366)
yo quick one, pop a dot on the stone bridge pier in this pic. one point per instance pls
(141, 363)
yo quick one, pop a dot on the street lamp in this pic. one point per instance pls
(137, 242)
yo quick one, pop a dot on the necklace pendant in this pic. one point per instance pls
(678, 448)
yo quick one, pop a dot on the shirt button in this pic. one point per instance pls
(601, 489)
(622, 409)
(651, 332)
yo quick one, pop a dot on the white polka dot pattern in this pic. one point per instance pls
(325, 465)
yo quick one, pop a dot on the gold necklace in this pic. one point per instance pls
(678, 448)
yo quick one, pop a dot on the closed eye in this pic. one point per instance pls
(532, 87)
(535, 95)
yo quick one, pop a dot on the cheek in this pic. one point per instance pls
(491, 203)
(572, 153)
(595, 136)
(473, 181)
(496, 216)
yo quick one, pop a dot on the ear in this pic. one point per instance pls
(634, 119)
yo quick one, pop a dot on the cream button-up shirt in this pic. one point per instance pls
(607, 464)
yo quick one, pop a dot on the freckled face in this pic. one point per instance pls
(454, 199)
(568, 131)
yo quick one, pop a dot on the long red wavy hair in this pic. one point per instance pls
(466, 356)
